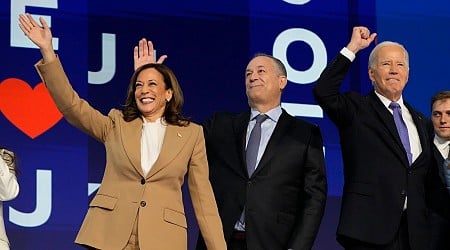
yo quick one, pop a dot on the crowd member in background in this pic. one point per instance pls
(385, 148)
(440, 172)
(150, 148)
(9, 188)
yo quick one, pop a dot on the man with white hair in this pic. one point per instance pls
(385, 148)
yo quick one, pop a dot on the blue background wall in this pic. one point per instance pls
(209, 44)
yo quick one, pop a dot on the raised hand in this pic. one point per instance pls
(144, 54)
(38, 34)
(361, 39)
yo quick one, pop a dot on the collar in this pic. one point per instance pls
(273, 114)
(386, 101)
(441, 143)
(160, 120)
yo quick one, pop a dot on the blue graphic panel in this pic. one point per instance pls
(208, 45)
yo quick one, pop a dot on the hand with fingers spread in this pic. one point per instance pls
(144, 54)
(361, 39)
(38, 34)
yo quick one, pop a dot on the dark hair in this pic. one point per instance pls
(278, 63)
(439, 96)
(172, 113)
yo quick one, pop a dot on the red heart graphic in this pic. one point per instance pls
(30, 110)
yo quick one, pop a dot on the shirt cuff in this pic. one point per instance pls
(347, 53)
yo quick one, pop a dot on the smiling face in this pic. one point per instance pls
(151, 94)
(264, 83)
(390, 71)
(441, 118)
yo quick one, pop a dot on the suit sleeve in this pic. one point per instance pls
(207, 125)
(327, 91)
(202, 196)
(315, 195)
(75, 110)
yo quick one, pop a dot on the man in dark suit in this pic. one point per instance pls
(278, 203)
(385, 163)
(440, 172)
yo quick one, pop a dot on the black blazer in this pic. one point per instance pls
(285, 196)
(439, 196)
(439, 201)
(377, 177)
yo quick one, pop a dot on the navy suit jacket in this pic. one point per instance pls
(439, 200)
(285, 196)
(377, 175)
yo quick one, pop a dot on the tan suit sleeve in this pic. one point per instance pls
(202, 196)
(75, 110)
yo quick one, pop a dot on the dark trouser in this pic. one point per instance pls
(238, 241)
(440, 232)
(400, 242)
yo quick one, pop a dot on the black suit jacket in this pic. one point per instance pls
(439, 200)
(285, 196)
(377, 176)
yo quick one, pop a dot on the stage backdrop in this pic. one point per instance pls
(209, 44)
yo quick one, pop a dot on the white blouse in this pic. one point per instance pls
(151, 142)
(9, 189)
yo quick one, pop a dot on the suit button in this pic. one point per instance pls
(142, 181)
(249, 183)
(143, 203)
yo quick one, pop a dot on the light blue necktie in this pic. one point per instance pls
(251, 155)
(254, 139)
(401, 128)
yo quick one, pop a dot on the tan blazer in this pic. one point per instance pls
(125, 193)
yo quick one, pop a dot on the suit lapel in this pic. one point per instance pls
(439, 162)
(240, 124)
(132, 143)
(388, 121)
(174, 140)
(422, 130)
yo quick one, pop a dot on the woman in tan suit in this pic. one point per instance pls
(150, 147)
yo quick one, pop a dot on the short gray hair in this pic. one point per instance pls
(374, 54)
(279, 66)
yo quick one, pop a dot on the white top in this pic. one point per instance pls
(9, 189)
(151, 142)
